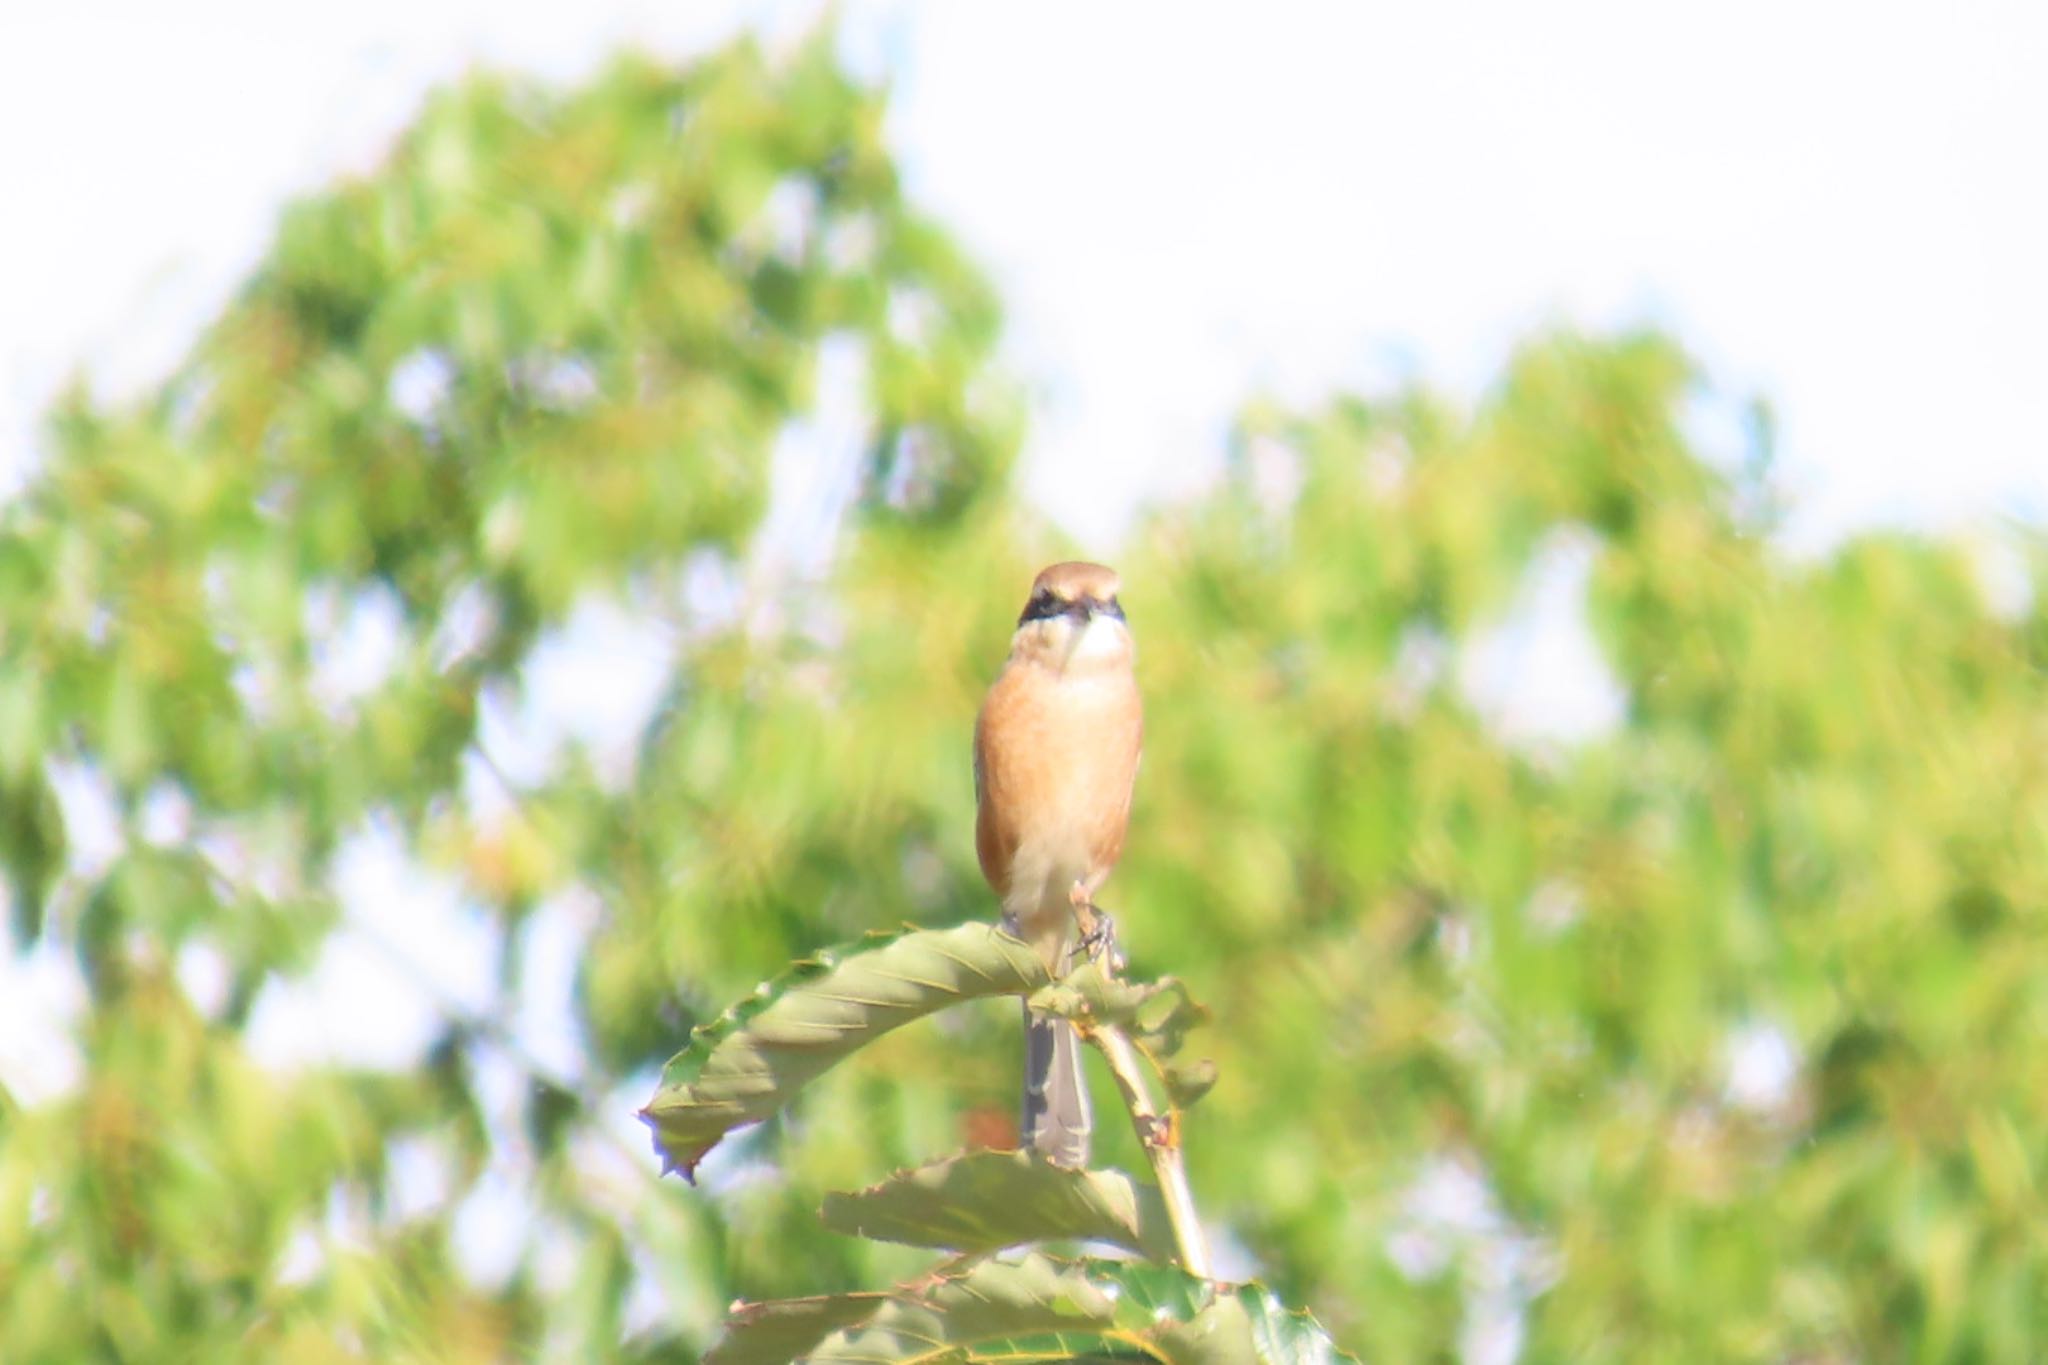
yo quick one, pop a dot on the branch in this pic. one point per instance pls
(1159, 1135)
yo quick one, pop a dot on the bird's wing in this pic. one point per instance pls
(993, 845)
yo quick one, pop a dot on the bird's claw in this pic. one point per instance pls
(1100, 943)
(1097, 940)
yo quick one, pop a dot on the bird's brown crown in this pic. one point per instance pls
(1075, 579)
(1073, 588)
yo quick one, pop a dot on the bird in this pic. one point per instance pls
(1056, 750)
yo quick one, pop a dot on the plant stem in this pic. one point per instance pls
(1159, 1135)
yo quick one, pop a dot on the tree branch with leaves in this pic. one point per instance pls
(752, 1061)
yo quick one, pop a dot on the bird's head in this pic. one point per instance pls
(1073, 618)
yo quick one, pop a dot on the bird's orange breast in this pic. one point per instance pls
(1056, 754)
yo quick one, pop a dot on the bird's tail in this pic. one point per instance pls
(1057, 1121)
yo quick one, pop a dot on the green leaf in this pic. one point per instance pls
(994, 1303)
(1033, 1308)
(23, 707)
(1188, 1082)
(1217, 1335)
(1244, 1322)
(1086, 993)
(31, 851)
(784, 1329)
(936, 1318)
(983, 1201)
(748, 1063)
(1282, 1333)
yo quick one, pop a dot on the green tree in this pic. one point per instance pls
(544, 357)
(541, 357)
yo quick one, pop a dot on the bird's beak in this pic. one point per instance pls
(1097, 607)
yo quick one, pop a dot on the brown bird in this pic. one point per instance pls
(1055, 755)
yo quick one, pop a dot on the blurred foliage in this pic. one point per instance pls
(556, 354)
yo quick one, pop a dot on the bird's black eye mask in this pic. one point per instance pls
(1043, 606)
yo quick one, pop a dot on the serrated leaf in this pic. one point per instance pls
(1034, 1308)
(1219, 1334)
(1188, 1082)
(923, 1319)
(1280, 1333)
(1191, 1320)
(994, 1302)
(784, 1329)
(748, 1063)
(1244, 1322)
(1087, 993)
(982, 1201)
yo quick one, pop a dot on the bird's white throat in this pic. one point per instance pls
(1098, 640)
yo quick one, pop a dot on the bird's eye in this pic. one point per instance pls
(1041, 606)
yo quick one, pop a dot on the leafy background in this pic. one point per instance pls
(1711, 1034)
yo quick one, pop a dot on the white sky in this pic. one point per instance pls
(1839, 206)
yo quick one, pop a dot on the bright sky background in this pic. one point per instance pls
(1843, 208)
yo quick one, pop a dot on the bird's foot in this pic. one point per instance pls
(1101, 946)
(1098, 932)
